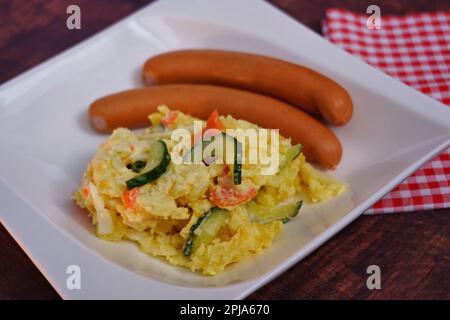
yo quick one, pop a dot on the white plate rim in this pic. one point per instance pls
(230, 292)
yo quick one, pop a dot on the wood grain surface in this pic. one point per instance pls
(412, 250)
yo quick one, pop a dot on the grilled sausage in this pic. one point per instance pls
(299, 86)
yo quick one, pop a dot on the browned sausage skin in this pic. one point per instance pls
(131, 108)
(299, 86)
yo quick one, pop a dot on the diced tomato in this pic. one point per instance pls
(227, 194)
(225, 180)
(85, 191)
(226, 170)
(213, 127)
(230, 197)
(129, 197)
(169, 118)
(214, 121)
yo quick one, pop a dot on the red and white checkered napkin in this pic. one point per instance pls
(416, 50)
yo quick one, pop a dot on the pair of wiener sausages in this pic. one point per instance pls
(301, 87)
(199, 81)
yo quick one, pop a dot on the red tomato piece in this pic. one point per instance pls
(227, 194)
(214, 121)
(129, 197)
(169, 118)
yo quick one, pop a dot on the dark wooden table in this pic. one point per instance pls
(412, 250)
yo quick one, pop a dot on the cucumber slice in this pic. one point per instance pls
(196, 152)
(159, 156)
(282, 211)
(236, 153)
(221, 152)
(237, 167)
(224, 152)
(291, 154)
(205, 229)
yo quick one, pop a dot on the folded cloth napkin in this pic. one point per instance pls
(416, 50)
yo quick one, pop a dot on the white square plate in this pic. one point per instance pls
(46, 142)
